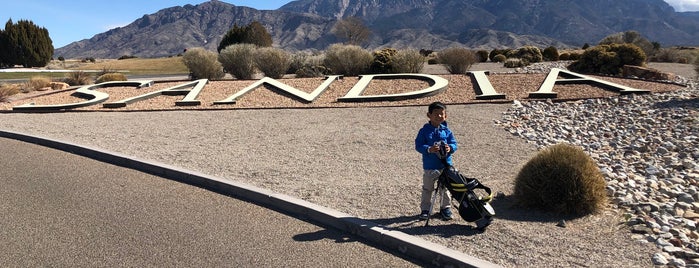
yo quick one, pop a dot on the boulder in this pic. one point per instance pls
(58, 85)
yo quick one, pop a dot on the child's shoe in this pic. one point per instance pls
(424, 215)
(446, 214)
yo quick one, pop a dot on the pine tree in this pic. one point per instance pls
(25, 44)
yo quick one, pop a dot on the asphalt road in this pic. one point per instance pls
(60, 210)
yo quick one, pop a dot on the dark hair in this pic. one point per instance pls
(436, 105)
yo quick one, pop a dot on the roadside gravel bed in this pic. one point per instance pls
(361, 161)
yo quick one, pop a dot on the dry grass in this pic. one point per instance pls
(7, 90)
(136, 66)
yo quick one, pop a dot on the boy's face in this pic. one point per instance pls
(437, 116)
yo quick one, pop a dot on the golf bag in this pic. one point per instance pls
(472, 208)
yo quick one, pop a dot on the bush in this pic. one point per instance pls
(124, 57)
(457, 60)
(273, 62)
(312, 71)
(496, 52)
(673, 55)
(608, 59)
(482, 55)
(696, 66)
(499, 58)
(304, 64)
(36, 83)
(527, 54)
(350, 60)
(383, 61)
(514, 63)
(408, 61)
(550, 54)
(110, 77)
(78, 78)
(239, 60)
(562, 179)
(202, 64)
(564, 56)
(7, 90)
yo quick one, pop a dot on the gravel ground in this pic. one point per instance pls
(361, 161)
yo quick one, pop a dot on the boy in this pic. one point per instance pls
(427, 142)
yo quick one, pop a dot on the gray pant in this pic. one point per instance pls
(429, 179)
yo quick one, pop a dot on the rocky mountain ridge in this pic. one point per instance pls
(429, 24)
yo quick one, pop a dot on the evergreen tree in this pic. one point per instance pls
(253, 33)
(25, 44)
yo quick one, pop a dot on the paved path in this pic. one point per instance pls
(61, 209)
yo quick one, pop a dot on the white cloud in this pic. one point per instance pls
(684, 5)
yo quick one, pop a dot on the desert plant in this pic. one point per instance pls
(457, 60)
(482, 55)
(78, 78)
(202, 64)
(496, 52)
(110, 77)
(631, 37)
(305, 64)
(349, 60)
(253, 33)
(564, 56)
(608, 59)
(527, 54)
(499, 58)
(561, 178)
(696, 66)
(408, 61)
(273, 62)
(550, 53)
(239, 60)
(514, 63)
(312, 71)
(36, 82)
(383, 61)
(7, 90)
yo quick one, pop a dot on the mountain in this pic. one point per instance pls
(429, 24)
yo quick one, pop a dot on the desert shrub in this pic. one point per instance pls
(631, 37)
(124, 57)
(239, 60)
(514, 63)
(383, 61)
(574, 56)
(608, 59)
(312, 71)
(673, 55)
(496, 52)
(273, 62)
(78, 78)
(562, 179)
(426, 52)
(202, 64)
(432, 61)
(7, 90)
(696, 66)
(350, 60)
(408, 61)
(585, 46)
(36, 82)
(457, 60)
(110, 77)
(305, 64)
(482, 55)
(499, 58)
(527, 54)
(564, 56)
(550, 53)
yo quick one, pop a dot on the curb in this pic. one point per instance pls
(415, 247)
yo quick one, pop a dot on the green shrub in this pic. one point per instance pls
(239, 60)
(312, 71)
(305, 64)
(408, 61)
(496, 52)
(499, 58)
(202, 64)
(78, 78)
(349, 60)
(608, 59)
(514, 63)
(564, 56)
(550, 54)
(562, 179)
(673, 55)
(527, 54)
(432, 61)
(273, 62)
(383, 61)
(7, 90)
(574, 56)
(124, 57)
(482, 55)
(457, 60)
(110, 77)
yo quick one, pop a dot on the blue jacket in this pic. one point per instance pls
(426, 137)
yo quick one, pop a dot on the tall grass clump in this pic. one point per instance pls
(562, 179)
(457, 60)
(408, 61)
(36, 83)
(273, 62)
(108, 77)
(7, 90)
(202, 64)
(239, 60)
(349, 60)
(78, 78)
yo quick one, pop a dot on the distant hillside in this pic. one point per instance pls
(430, 24)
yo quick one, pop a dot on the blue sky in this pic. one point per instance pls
(75, 20)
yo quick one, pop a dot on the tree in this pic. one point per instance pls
(353, 30)
(253, 33)
(25, 44)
